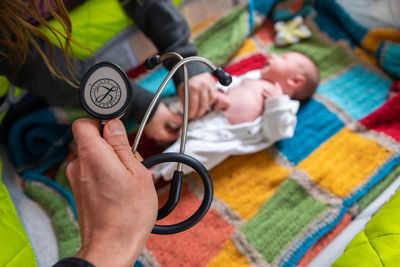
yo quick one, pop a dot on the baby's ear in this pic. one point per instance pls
(296, 81)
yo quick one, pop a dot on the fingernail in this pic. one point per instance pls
(115, 127)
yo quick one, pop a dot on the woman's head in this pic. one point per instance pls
(16, 32)
(297, 74)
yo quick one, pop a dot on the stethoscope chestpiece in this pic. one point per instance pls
(105, 91)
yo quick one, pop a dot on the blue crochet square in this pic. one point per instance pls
(357, 91)
(315, 124)
(153, 81)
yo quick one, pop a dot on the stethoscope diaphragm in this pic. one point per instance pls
(105, 91)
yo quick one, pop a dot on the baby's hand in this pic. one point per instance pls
(222, 101)
(272, 90)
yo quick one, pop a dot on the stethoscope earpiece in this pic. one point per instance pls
(223, 77)
(105, 91)
(151, 62)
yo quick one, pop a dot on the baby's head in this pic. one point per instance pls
(297, 74)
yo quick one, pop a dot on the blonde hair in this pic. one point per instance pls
(16, 33)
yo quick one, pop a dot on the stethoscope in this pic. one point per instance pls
(106, 93)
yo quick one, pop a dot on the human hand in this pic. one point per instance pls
(159, 127)
(201, 93)
(222, 101)
(114, 195)
(272, 90)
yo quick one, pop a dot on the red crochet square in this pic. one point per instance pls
(266, 32)
(386, 119)
(254, 62)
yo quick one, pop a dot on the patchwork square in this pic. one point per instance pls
(330, 59)
(386, 119)
(205, 239)
(265, 33)
(243, 194)
(248, 47)
(324, 241)
(327, 168)
(315, 124)
(229, 256)
(281, 219)
(357, 91)
(253, 62)
(153, 81)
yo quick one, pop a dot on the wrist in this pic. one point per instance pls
(110, 253)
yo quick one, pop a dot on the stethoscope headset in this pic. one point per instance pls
(106, 93)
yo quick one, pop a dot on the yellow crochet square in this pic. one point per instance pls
(204, 25)
(229, 255)
(374, 37)
(365, 56)
(248, 47)
(344, 162)
(246, 182)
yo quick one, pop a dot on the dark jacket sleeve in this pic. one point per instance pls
(73, 262)
(35, 77)
(161, 22)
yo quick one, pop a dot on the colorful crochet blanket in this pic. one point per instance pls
(277, 207)
(282, 206)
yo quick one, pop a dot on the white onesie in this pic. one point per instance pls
(211, 138)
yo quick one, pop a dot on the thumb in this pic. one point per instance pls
(176, 119)
(115, 135)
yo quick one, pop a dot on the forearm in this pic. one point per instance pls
(161, 22)
(35, 77)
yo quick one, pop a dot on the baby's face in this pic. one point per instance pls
(283, 67)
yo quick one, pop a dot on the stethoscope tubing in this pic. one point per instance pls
(208, 190)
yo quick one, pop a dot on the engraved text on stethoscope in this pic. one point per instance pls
(105, 93)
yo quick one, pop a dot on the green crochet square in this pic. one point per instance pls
(281, 219)
(330, 58)
(224, 38)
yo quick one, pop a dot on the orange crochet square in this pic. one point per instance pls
(266, 32)
(195, 246)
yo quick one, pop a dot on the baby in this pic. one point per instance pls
(256, 110)
(291, 74)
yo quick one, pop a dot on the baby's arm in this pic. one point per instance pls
(279, 117)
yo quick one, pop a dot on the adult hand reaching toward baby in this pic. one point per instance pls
(201, 94)
(114, 193)
(159, 127)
